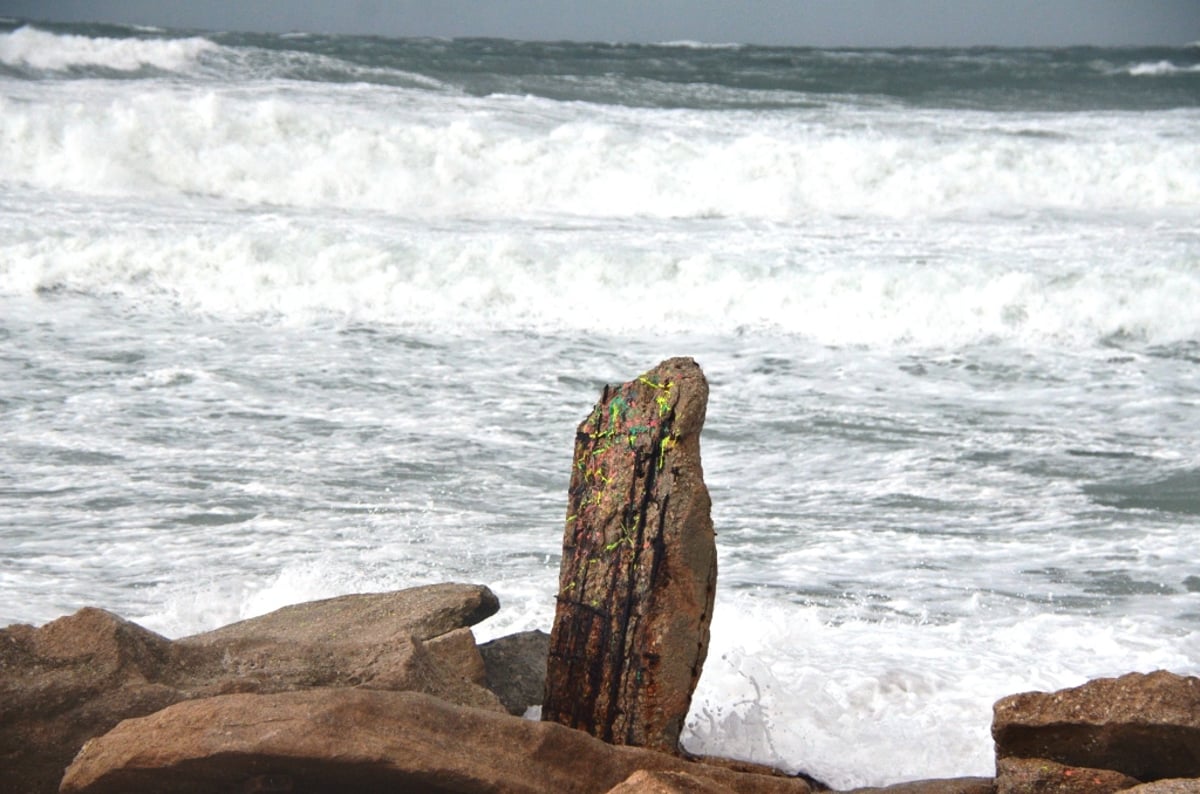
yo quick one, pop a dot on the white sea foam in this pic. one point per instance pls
(405, 152)
(866, 703)
(38, 49)
(1160, 69)
(690, 44)
(718, 279)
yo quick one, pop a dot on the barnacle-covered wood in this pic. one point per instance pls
(639, 564)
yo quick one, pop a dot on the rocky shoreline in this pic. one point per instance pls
(390, 692)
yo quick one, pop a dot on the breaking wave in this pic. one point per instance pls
(31, 48)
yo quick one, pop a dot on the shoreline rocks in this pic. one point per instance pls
(326, 740)
(79, 676)
(162, 715)
(1108, 735)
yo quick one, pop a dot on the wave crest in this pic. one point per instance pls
(405, 153)
(1161, 69)
(31, 48)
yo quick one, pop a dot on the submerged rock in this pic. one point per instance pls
(639, 565)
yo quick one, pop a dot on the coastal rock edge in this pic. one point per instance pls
(79, 676)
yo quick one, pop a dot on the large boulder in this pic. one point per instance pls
(639, 564)
(67, 681)
(326, 740)
(417, 612)
(400, 640)
(80, 675)
(1146, 726)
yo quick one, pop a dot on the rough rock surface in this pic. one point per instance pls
(1173, 786)
(417, 612)
(516, 669)
(639, 564)
(67, 681)
(80, 675)
(1039, 776)
(366, 740)
(643, 782)
(1144, 725)
(456, 650)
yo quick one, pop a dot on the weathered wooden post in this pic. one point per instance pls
(639, 564)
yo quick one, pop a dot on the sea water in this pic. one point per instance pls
(287, 317)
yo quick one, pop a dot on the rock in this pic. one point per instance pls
(456, 650)
(639, 564)
(418, 612)
(516, 669)
(643, 782)
(1144, 725)
(366, 740)
(400, 640)
(1039, 776)
(953, 785)
(67, 681)
(80, 675)
(1174, 786)
(755, 768)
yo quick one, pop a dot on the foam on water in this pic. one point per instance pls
(405, 152)
(1161, 69)
(38, 49)
(783, 684)
(930, 290)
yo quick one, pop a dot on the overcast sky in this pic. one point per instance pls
(801, 22)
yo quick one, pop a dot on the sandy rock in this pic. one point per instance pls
(326, 740)
(639, 564)
(516, 669)
(1039, 776)
(80, 675)
(1144, 725)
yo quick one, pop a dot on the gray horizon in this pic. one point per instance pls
(822, 23)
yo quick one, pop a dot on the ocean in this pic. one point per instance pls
(284, 317)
